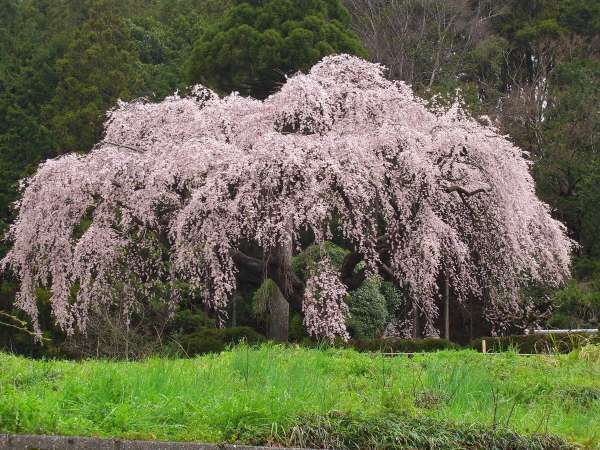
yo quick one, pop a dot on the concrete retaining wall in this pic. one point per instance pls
(25, 442)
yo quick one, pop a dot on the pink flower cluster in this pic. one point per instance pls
(324, 306)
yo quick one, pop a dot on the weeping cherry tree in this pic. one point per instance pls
(195, 189)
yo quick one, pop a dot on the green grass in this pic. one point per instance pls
(276, 394)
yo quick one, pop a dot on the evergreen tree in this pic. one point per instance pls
(258, 43)
(97, 68)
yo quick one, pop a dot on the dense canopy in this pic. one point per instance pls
(257, 43)
(175, 188)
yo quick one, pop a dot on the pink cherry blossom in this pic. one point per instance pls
(416, 192)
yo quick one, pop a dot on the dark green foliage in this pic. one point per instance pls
(587, 269)
(261, 299)
(215, 340)
(372, 307)
(533, 343)
(96, 69)
(306, 261)
(188, 321)
(15, 329)
(297, 332)
(394, 299)
(577, 305)
(395, 345)
(368, 310)
(563, 140)
(257, 43)
(588, 201)
(388, 431)
(568, 169)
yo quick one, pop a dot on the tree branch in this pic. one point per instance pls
(256, 267)
(249, 263)
(21, 327)
(137, 150)
(351, 279)
(354, 279)
(463, 191)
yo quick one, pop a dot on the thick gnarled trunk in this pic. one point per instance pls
(276, 265)
(279, 308)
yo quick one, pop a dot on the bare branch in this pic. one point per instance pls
(21, 327)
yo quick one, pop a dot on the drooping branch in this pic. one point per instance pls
(254, 265)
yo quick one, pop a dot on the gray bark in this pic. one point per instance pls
(279, 317)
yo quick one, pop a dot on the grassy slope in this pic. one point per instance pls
(244, 392)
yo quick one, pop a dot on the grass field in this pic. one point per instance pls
(281, 395)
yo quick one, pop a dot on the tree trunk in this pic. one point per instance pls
(279, 314)
(282, 256)
(446, 307)
(471, 336)
(279, 308)
(415, 313)
(234, 301)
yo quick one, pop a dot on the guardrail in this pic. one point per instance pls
(564, 331)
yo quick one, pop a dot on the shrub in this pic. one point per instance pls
(394, 299)
(587, 269)
(589, 352)
(261, 300)
(359, 430)
(368, 310)
(297, 332)
(577, 305)
(305, 261)
(187, 321)
(395, 345)
(390, 345)
(534, 343)
(215, 340)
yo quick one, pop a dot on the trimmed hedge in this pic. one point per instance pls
(537, 343)
(215, 340)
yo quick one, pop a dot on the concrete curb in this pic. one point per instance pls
(27, 442)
